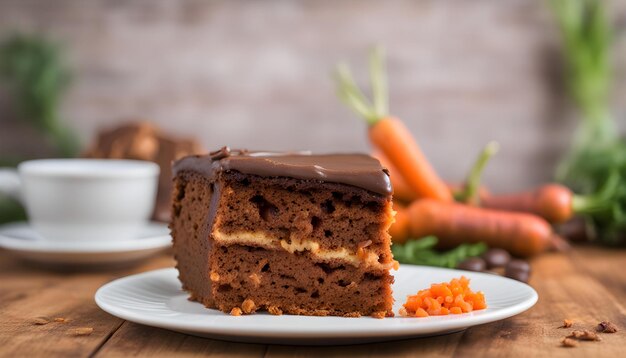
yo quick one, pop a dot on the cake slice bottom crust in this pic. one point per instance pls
(246, 279)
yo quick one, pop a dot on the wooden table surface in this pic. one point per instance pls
(587, 285)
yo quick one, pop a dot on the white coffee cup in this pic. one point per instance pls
(84, 199)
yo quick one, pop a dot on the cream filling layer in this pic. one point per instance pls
(366, 258)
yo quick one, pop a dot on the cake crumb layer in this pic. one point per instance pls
(295, 284)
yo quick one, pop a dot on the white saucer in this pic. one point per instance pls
(23, 241)
(155, 298)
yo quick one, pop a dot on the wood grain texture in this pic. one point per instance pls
(608, 268)
(565, 292)
(256, 74)
(140, 341)
(585, 285)
(28, 292)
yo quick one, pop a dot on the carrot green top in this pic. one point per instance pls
(469, 194)
(349, 92)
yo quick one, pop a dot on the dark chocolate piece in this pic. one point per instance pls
(358, 170)
(518, 265)
(496, 258)
(472, 264)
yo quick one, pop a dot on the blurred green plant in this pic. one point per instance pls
(422, 252)
(35, 77)
(597, 152)
(11, 210)
(32, 69)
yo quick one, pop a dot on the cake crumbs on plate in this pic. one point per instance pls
(236, 311)
(606, 327)
(40, 321)
(585, 335)
(569, 342)
(248, 306)
(379, 314)
(567, 323)
(273, 310)
(82, 331)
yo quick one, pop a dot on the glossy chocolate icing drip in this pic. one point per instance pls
(358, 170)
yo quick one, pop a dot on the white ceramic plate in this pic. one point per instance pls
(23, 241)
(155, 298)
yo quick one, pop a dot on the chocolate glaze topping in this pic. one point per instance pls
(359, 170)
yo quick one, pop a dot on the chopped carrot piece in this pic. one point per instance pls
(466, 307)
(433, 312)
(454, 297)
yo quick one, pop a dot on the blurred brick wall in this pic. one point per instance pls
(255, 74)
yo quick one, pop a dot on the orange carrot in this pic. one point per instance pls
(552, 202)
(556, 203)
(454, 224)
(399, 230)
(396, 142)
(401, 190)
(388, 134)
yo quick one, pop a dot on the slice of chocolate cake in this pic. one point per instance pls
(286, 233)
